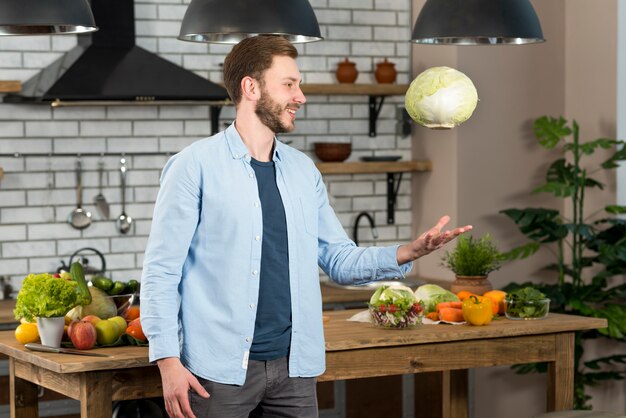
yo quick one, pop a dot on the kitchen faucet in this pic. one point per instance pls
(356, 226)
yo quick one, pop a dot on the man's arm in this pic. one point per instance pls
(177, 381)
(429, 241)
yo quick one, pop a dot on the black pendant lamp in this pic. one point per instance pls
(230, 21)
(45, 17)
(477, 22)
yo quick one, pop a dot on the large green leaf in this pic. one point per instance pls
(538, 224)
(616, 316)
(598, 363)
(612, 162)
(521, 252)
(588, 148)
(615, 209)
(549, 130)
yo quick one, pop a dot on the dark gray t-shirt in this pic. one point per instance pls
(272, 330)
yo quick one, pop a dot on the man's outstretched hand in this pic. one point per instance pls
(429, 241)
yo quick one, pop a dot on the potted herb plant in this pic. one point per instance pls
(589, 250)
(46, 298)
(471, 261)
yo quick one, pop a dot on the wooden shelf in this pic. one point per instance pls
(356, 89)
(10, 86)
(376, 93)
(375, 167)
(387, 167)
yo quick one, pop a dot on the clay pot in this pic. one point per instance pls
(332, 151)
(475, 284)
(346, 72)
(385, 72)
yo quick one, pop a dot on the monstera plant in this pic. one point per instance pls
(589, 250)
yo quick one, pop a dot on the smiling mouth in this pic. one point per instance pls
(292, 113)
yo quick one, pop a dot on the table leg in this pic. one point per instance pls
(23, 395)
(455, 387)
(96, 392)
(561, 374)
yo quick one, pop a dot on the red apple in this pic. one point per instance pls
(82, 334)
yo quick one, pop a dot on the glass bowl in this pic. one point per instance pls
(123, 303)
(526, 310)
(390, 318)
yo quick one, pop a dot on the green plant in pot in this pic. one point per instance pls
(471, 261)
(589, 251)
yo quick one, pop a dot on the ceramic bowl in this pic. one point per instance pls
(332, 151)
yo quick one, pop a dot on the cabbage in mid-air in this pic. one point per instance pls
(441, 98)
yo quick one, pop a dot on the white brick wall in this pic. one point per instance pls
(34, 235)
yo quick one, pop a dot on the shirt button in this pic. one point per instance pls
(257, 205)
(252, 305)
(257, 238)
(236, 155)
(255, 272)
(248, 339)
(251, 175)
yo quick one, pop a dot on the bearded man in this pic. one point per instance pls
(230, 293)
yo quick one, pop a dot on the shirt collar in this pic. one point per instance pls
(239, 150)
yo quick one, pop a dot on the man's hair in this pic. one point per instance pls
(252, 57)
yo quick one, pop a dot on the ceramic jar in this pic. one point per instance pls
(474, 284)
(346, 72)
(385, 72)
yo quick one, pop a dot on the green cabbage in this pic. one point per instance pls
(441, 98)
(101, 306)
(431, 295)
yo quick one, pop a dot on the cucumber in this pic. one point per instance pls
(103, 283)
(118, 287)
(132, 286)
(78, 275)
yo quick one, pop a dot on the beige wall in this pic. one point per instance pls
(492, 161)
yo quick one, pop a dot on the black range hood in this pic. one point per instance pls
(107, 68)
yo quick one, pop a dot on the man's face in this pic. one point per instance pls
(280, 95)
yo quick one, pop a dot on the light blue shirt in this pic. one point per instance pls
(200, 282)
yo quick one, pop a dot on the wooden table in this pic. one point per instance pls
(353, 350)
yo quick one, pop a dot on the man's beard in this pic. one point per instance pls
(269, 112)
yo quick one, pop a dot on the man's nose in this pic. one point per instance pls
(299, 96)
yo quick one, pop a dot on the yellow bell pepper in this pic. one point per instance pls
(477, 310)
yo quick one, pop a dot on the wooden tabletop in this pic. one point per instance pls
(340, 335)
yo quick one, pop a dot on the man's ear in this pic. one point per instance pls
(250, 88)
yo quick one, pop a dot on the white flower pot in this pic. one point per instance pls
(51, 330)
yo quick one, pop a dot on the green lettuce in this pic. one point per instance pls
(400, 296)
(46, 296)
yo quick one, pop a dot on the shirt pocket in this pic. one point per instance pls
(310, 215)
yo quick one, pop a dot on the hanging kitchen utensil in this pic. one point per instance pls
(100, 200)
(79, 218)
(124, 221)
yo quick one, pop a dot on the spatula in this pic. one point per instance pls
(100, 201)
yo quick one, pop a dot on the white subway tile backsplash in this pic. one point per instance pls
(11, 59)
(28, 249)
(48, 230)
(12, 266)
(132, 112)
(51, 129)
(40, 59)
(158, 128)
(363, 17)
(366, 31)
(11, 129)
(12, 233)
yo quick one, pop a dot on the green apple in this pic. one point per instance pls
(107, 332)
(121, 323)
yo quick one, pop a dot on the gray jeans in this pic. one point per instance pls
(267, 392)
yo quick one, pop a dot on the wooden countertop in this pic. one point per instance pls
(340, 335)
(6, 312)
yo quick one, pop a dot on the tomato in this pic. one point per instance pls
(392, 308)
(382, 308)
(135, 331)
